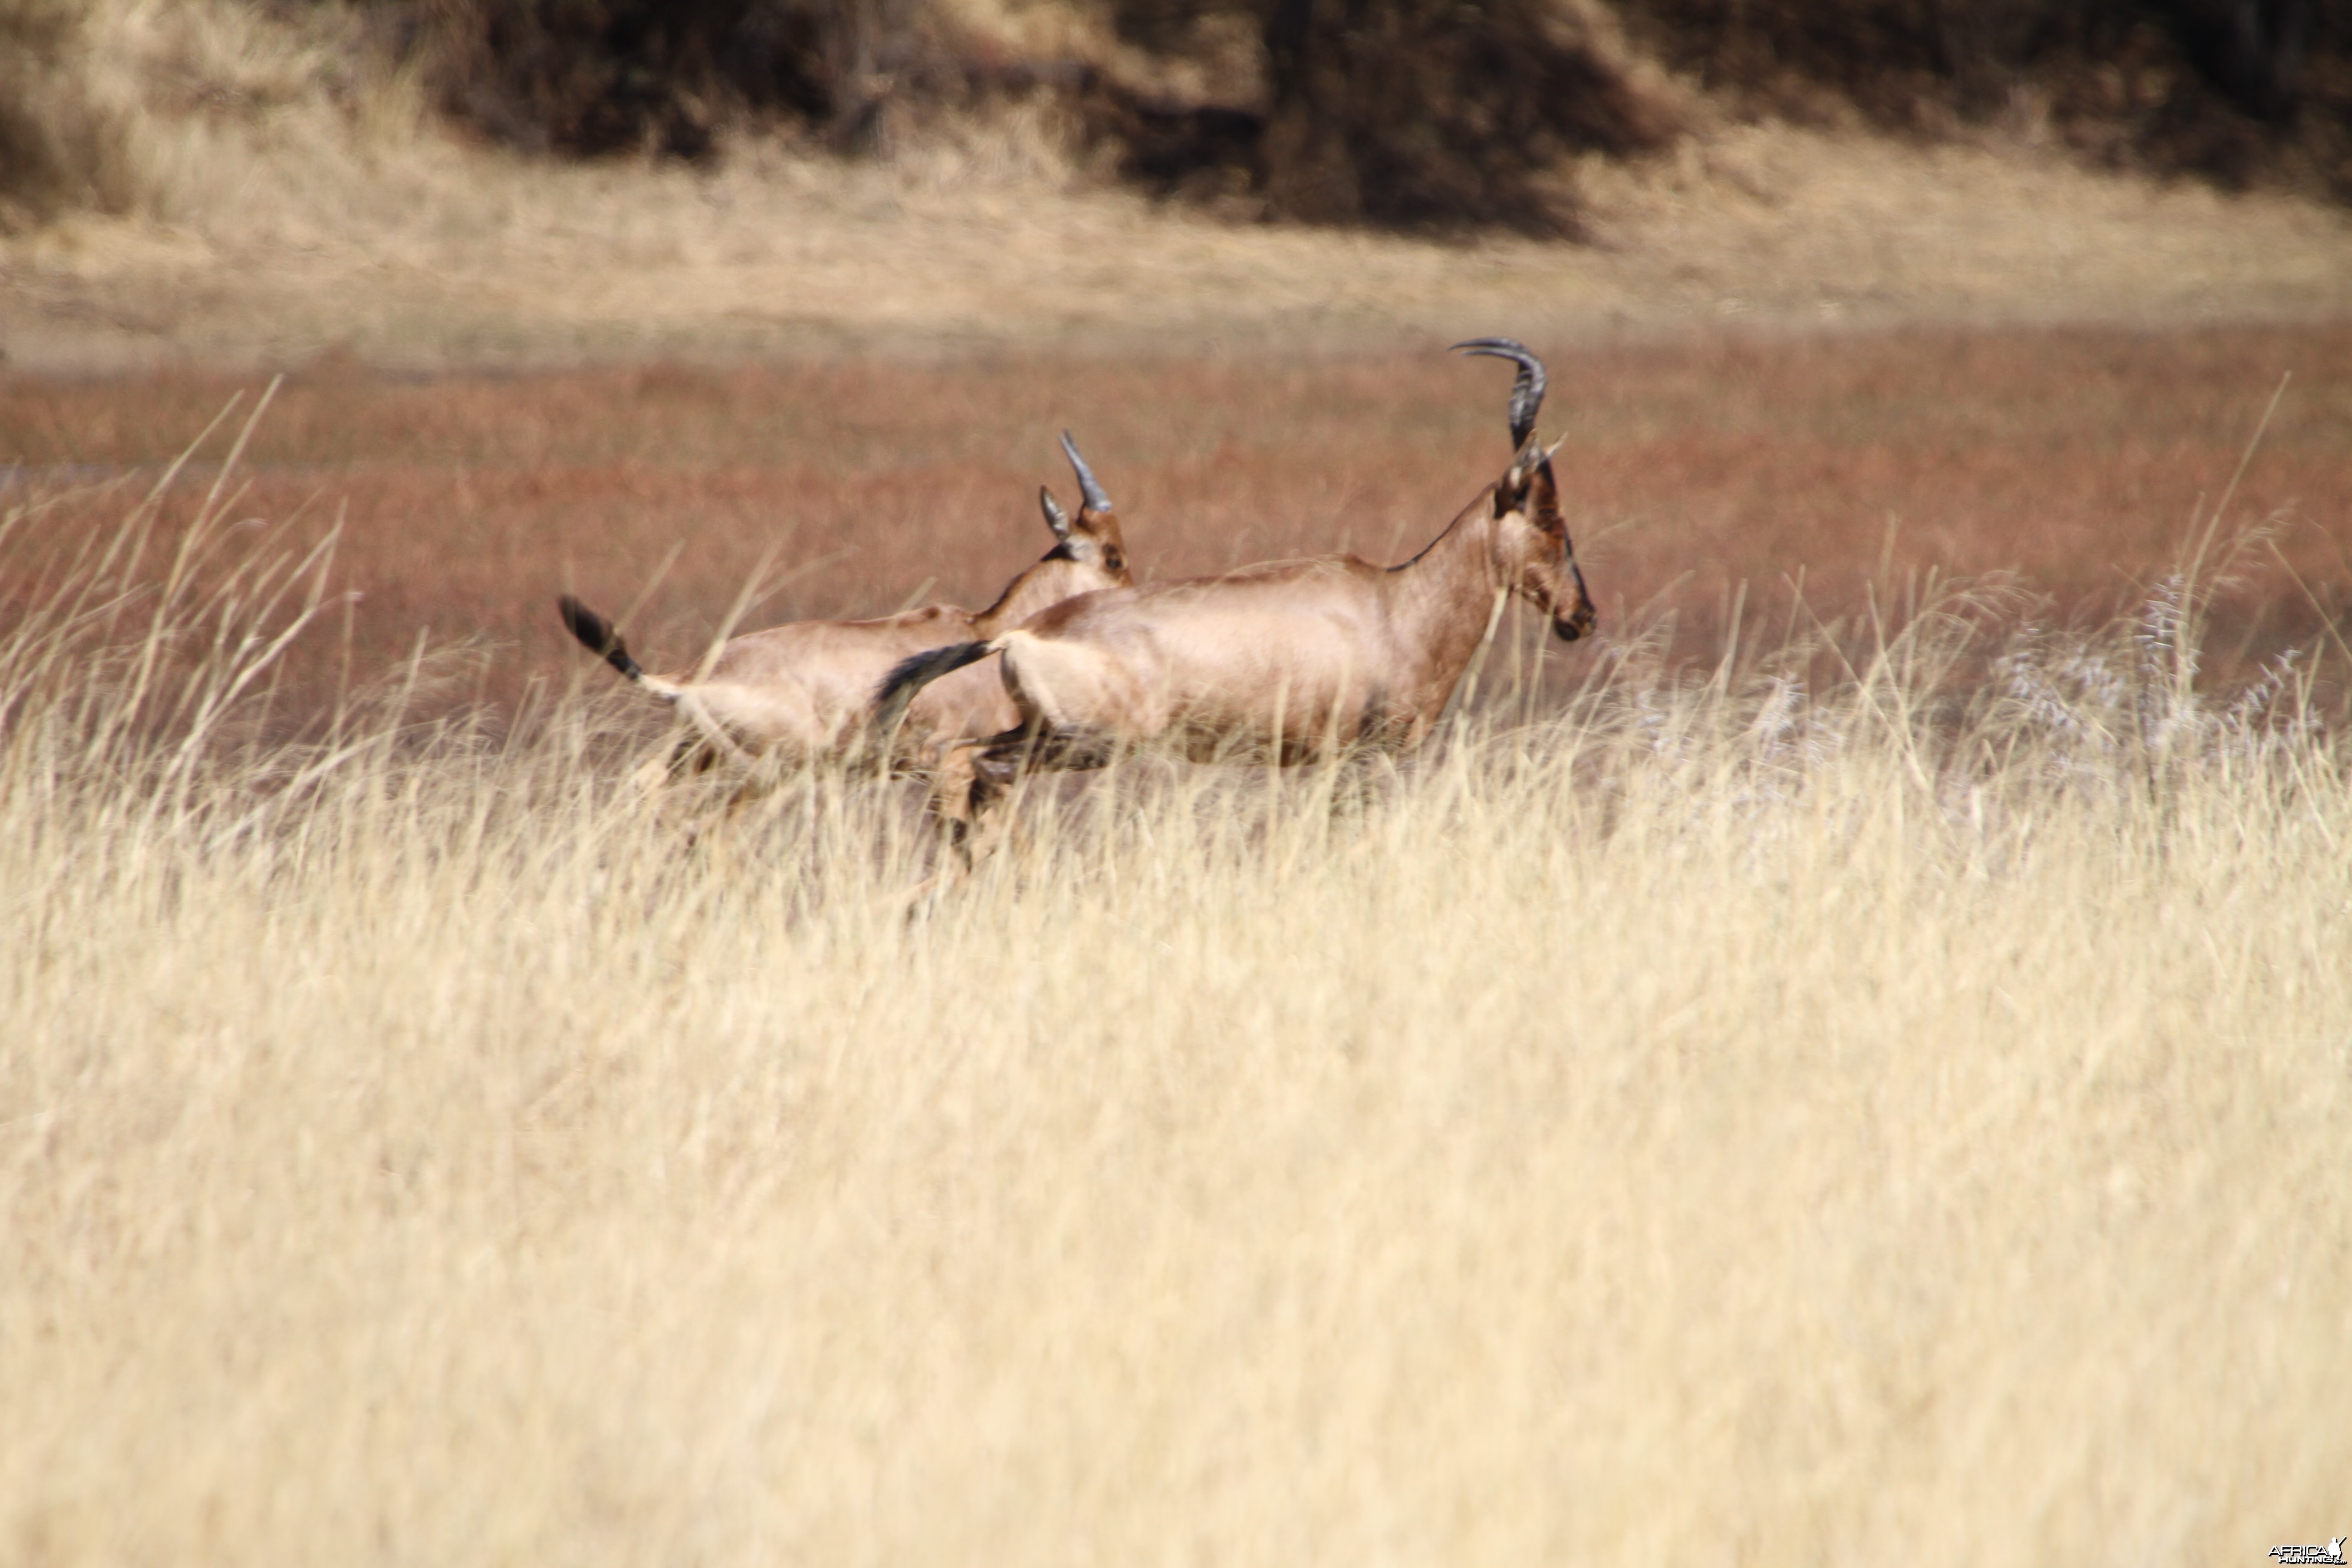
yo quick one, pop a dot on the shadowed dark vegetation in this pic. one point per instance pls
(2235, 91)
(1424, 112)
(1737, 486)
(1412, 113)
(57, 148)
(592, 77)
(1418, 114)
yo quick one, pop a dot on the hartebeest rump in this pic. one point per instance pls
(804, 691)
(1284, 663)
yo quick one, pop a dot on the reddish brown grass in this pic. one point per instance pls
(2080, 462)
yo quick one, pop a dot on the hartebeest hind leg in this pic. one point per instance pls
(972, 779)
(964, 783)
(686, 790)
(949, 805)
(1356, 779)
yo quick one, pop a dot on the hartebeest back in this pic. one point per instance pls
(1283, 663)
(804, 691)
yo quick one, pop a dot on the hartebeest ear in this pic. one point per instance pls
(1542, 502)
(1511, 489)
(1055, 518)
(1530, 490)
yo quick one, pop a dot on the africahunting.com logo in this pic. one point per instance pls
(2331, 1552)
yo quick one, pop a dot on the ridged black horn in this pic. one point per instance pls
(1526, 391)
(1096, 499)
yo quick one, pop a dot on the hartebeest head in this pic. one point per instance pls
(1530, 547)
(1090, 554)
(802, 690)
(1092, 539)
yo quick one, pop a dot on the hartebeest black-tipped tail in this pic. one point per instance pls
(597, 636)
(914, 672)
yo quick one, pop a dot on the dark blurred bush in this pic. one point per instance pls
(62, 144)
(2233, 89)
(601, 76)
(1422, 112)
(1403, 113)
(1419, 113)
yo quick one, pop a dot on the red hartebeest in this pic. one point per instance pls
(1284, 663)
(804, 691)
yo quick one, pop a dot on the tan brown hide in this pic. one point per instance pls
(804, 692)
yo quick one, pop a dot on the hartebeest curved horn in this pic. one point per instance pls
(1526, 391)
(1096, 499)
(1055, 518)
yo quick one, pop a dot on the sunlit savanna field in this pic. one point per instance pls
(1871, 1091)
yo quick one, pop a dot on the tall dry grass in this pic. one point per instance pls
(1728, 1114)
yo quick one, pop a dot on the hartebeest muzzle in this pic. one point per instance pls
(1583, 617)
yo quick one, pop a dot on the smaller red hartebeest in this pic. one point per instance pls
(804, 691)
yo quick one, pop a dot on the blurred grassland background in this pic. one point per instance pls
(2072, 466)
(1847, 1066)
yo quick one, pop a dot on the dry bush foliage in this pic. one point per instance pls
(119, 106)
(1436, 113)
(1420, 114)
(1416, 115)
(1405, 115)
(62, 134)
(607, 76)
(2233, 89)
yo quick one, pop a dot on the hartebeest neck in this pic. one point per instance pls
(1440, 600)
(1049, 583)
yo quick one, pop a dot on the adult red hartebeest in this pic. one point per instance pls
(1285, 663)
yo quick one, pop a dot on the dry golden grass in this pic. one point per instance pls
(169, 112)
(1892, 1117)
